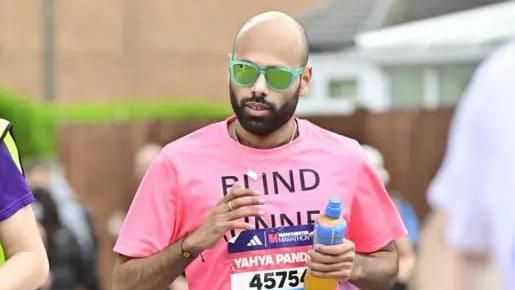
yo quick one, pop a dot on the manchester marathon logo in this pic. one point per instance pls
(282, 237)
(288, 237)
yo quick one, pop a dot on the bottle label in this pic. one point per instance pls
(329, 235)
(270, 258)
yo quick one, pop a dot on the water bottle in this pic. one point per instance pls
(330, 229)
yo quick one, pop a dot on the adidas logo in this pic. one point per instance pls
(255, 241)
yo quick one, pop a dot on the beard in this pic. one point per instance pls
(263, 126)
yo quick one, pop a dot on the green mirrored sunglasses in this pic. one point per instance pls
(278, 78)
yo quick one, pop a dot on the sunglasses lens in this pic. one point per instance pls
(279, 79)
(245, 74)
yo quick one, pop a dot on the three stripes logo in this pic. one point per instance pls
(255, 241)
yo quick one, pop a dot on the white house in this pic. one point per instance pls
(419, 64)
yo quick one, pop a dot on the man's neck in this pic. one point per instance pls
(281, 136)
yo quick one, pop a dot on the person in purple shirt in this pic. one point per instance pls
(23, 259)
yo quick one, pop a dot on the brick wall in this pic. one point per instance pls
(123, 49)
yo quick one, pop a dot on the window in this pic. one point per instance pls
(413, 87)
(343, 89)
(406, 87)
(453, 81)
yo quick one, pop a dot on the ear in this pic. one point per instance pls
(227, 72)
(305, 80)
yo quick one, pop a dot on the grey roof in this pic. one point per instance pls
(334, 26)
(419, 9)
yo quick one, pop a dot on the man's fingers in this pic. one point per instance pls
(238, 224)
(237, 191)
(245, 201)
(240, 202)
(336, 250)
(318, 257)
(244, 212)
(327, 268)
(340, 275)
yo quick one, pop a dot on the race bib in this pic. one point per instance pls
(270, 258)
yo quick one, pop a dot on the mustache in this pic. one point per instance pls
(257, 99)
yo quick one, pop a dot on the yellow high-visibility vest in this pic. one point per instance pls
(6, 138)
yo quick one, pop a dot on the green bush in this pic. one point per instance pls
(91, 113)
(35, 124)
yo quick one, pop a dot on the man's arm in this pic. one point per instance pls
(407, 259)
(377, 270)
(160, 270)
(154, 272)
(27, 265)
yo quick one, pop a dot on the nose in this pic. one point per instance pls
(260, 88)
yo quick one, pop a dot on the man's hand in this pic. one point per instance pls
(335, 261)
(227, 215)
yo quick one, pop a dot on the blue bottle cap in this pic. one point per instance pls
(334, 208)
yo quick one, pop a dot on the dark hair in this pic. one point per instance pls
(46, 209)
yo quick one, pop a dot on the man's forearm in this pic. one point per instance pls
(376, 271)
(155, 272)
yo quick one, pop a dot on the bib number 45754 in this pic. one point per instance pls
(278, 279)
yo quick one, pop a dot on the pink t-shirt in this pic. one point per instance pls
(297, 179)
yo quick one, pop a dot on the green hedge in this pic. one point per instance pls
(35, 123)
(90, 113)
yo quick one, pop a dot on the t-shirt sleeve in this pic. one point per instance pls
(149, 225)
(456, 189)
(461, 158)
(374, 220)
(14, 192)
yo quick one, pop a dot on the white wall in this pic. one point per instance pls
(370, 79)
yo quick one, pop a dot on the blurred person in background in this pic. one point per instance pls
(69, 270)
(405, 245)
(23, 259)
(144, 157)
(47, 174)
(142, 160)
(475, 187)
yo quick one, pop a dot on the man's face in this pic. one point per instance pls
(267, 75)
(263, 113)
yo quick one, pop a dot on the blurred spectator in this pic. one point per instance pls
(405, 245)
(142, 160)
(144, 157)
(68, 268)
(73, 215)
(475, 187)
(48, 175)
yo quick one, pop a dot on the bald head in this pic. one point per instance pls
(273, 32)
